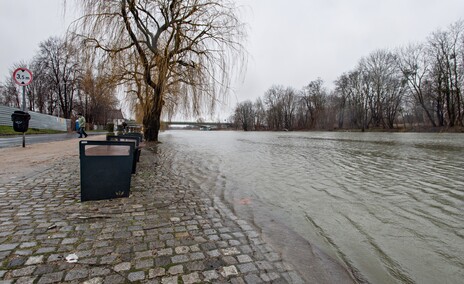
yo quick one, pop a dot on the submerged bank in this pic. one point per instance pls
(379, 203)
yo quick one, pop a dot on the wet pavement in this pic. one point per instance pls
(165, 232)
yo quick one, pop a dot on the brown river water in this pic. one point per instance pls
(388, 207)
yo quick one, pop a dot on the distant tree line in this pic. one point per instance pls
(66, 80)
(420, 85)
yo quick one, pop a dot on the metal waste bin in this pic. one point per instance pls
(137, 149)
(106, 169)
(20, 121)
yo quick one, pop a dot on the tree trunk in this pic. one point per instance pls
(151, 125)
(152, 116)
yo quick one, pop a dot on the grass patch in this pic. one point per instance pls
(8, 130)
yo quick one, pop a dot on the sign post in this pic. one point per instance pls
(23, 77)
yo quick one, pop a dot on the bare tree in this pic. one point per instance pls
(343, 92)
(97, 98)
(245, 115)
(446, 49)
(273, 102)
(10, 95)
(39, 88)
(60, 68)
(314, 95)
(415, 67)
(288, 104)
(260, 114)
(185, 48)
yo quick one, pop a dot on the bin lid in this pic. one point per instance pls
(20, 115)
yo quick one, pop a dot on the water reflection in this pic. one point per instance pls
(387, 205)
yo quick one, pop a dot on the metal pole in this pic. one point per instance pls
(24, 109)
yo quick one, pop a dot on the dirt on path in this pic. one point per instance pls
(35, 158)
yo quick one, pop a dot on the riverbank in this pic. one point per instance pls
(166, 231)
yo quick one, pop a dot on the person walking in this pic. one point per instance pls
(81, 121)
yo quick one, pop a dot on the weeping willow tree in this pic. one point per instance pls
(184, 52)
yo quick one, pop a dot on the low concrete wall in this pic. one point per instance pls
(38, 120)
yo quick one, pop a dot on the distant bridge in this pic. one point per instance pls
(217, 125)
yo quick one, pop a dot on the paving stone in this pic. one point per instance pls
(269, 277)
(45, 269)
(145, 254)
(179, 258)
(210, 275)
(237, 280)
(166, 251)
(230, 251)
(252, 278)
(51, 278)
(28, 244)
(23, 252)
(34, 260)
(213, 237)
(191, 278)
(115, 279)
(169, 280)
(136, 276)
(272, 256)
(208, 246)
(214, 253)
(176, 269)
(162, 261)
(17, 261)
(229, 271)
(78, 273)
(25, 280)
(26, 271)
(96, 280)
(244, 258)
(5, 247)
(182, 249)
(234, 243)
(144, 263)
(98, 271)
(229, 260)
(122, 266)
(44, 250)
(264, 265)
(109, 259)
(195, 248)
(156, 272)
(247, 267)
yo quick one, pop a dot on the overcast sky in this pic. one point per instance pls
(290, 43)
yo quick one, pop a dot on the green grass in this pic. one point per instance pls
(8, 130)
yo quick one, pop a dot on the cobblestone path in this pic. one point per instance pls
(165, 232)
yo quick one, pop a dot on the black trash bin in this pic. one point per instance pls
(106, 169)
(137, 149)
(20, 121)
(139, 136)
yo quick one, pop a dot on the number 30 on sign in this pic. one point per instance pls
(22, 76)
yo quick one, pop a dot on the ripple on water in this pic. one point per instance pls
(389, 206)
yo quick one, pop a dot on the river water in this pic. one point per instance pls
(389, 207)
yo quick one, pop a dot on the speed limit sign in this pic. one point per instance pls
(22, 76)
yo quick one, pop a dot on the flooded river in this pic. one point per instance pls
(389, 207)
